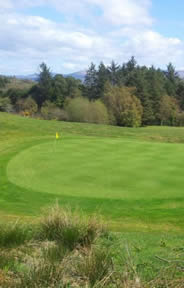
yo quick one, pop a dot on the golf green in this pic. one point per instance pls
(108, 168)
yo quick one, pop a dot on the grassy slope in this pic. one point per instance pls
(18, 133)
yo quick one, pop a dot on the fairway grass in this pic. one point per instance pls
(133, 177)
(101, 168)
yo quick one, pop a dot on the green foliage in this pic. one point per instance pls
(50, 111)
(171, 82)
(124, 106)
(5, 105)
(82, 110)
(113, 70)
(59, 90)
(27, 105)
(44, 89)
(15, 94)
(180, 119)
(149, 84)
(3, 81)
(180, 94)
(74, 87)
(91, 83)
(168, 111)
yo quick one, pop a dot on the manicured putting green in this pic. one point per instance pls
(101, 168)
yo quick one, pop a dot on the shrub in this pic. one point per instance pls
(50, 111)
(168, 110)
(180, 119)
(27, 106)
(69, 228)
(98, 113)
(63, 115)
(80, 109)
(5, 105)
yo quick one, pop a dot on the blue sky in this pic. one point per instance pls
(70, 34)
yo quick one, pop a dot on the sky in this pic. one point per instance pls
(70, 34)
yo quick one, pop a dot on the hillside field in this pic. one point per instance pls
(132, 176)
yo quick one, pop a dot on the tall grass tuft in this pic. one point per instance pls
(41, 274)
(14, 234)
(69, 228)
(96, 266)
(54, 253)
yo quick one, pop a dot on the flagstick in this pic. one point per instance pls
(54, 145)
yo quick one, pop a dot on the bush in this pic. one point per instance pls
(168, 111)
(5, 105)
(50, 111)
(27, 106)
(180, 119)
(82, 110)
(98, 113)
(69, 228)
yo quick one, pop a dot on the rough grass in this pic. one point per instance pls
(69, 228)
(14, 234)
(110, 260)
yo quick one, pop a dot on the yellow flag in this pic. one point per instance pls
(57, 135)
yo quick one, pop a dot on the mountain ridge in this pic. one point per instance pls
(77, 75)
(34, 77)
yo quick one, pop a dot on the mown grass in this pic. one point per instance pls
(157, 207)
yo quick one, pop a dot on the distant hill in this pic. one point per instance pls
(77, 75)
(34, 77)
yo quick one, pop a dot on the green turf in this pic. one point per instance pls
(132, 176)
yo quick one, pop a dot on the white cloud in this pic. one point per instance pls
(125, 12)
(117, 29)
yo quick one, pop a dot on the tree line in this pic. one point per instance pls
(124, 95)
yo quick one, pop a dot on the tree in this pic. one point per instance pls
(172, 78)
(91, 83)
(114, 70)
(156, 89)
(44, 90)
(59, 90)
(15, 94)
(102, 78)
(123, 105)
(180, 94)
(74, 87)
(168, 110)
